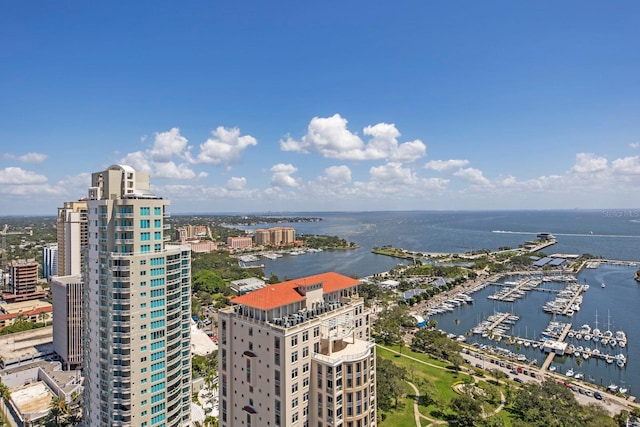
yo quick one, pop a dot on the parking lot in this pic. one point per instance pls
(521, 373)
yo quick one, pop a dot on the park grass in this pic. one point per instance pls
(402, 416)
(433, 377)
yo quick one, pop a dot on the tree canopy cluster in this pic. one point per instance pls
(551, 404)
(388, 327)
(389, 387)
(437, 345)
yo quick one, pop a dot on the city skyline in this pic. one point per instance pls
(289, 107)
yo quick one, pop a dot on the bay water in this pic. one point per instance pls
(612, 234)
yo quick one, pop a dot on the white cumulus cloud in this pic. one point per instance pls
(472, 175)
(392, 173)
(28, 157)
(338, 174)
(236, 183)
(168, 144)
(444, 165)
(281, 175)
(224, 147)
(330, 137)
(19, 176)
(588, 162)
(627, 165)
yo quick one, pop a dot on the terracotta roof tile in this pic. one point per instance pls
(284, 293)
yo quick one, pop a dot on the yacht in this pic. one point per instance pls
(604, 285)
(578, 376)
(570, 373)
(612, 388)
(552, 368)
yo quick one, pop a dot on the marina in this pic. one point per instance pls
(595, 352)
(439, 232)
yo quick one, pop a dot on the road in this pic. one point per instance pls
(613, 404)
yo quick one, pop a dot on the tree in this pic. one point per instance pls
(58, 409)
(389, 388)
(273, 279)
(467, 410)
(388, 326)
(547, 404)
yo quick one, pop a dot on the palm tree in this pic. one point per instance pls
(58, 409)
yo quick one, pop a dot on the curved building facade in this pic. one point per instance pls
(137, 305)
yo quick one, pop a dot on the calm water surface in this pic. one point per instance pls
(612, 234)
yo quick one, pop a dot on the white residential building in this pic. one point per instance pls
(137, 305)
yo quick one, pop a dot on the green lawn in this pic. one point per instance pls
(432, 381)
(403, 415)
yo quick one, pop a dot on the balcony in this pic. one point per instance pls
(123, 241)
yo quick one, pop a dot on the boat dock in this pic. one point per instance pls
(561, 338)
(510, 294)
(576, 297)
(498, 320)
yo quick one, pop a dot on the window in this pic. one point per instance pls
(157, 223)
(305, 336)
(157, 210)
(294, 402)
(157, 235)
(145, 211)
(294, 387)
(145, 223)
(294, 373)
(294, 357)
(145, 236)
(305, 368)
(305, 352)
(145, 249)
(316, 332)
(294, 340)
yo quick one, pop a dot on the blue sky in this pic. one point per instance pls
(300, 106)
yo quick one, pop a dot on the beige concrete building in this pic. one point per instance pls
(23, 277)
(67, 319)
(298, 353)
(71, 228)
(276, 236)
(137, 306)
(239, 242)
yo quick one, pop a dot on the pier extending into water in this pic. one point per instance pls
(552, 354)
(579, 290)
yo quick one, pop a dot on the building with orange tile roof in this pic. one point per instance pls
(298, 352)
